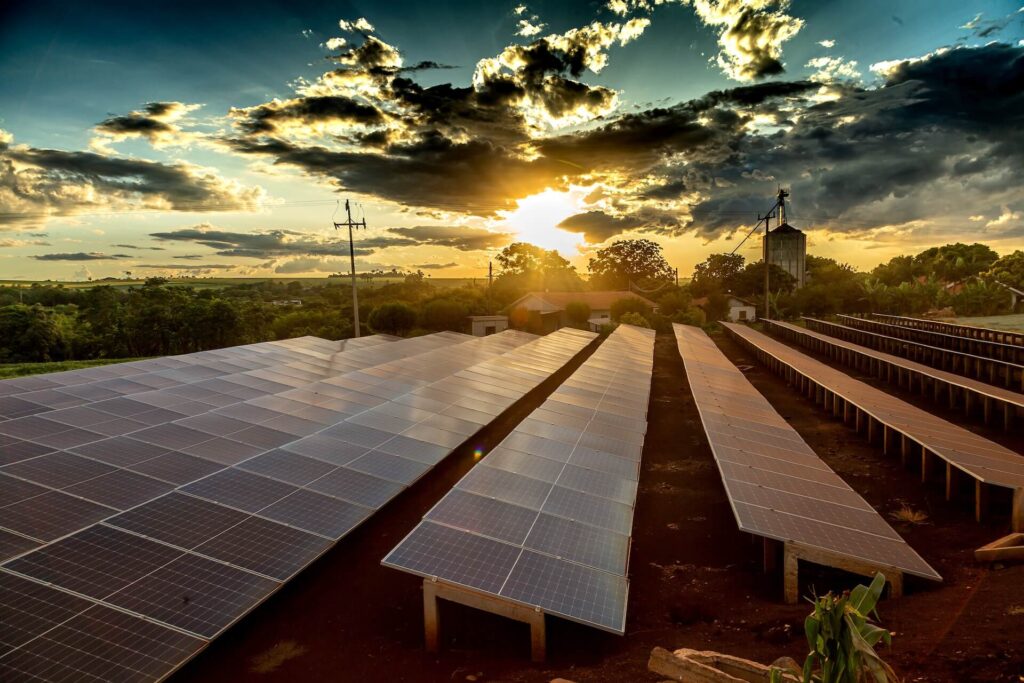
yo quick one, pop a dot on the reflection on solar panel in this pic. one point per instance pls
(160, 501)
(938, 383)
(963, 451)
(777, 486)
(544, 520)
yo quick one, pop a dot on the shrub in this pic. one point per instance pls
(634, 319)
(630, 305)
(445, 314)
(578, 313)
(393, 318)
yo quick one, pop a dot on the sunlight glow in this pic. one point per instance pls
(535, 218)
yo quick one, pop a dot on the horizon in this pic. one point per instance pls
(201, 141)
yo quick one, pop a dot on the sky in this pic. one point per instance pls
(219, 139)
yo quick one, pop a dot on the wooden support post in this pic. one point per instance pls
(790, 578)
(986, 403)
(949, 481)
(431, 623)
(885, 439)
(924, 464)
(859, 421)
(980, 499)
(771, 554)
(904, 448)
(871, 429)
(434, 590)
(1017, 511)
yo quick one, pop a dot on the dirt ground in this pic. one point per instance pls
(695, 580)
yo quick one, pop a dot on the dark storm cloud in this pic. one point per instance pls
(80, 256)
(597, 226)
(275, 117)
(35, 183)
(132, 246)
(477, 176)
(941, 136)
(461, 238)
(155, 122)
(434, 266)
(274, 243)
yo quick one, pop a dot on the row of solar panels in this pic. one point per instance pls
(777, 486)
(981, 458)
(545, 519)
(134, 546)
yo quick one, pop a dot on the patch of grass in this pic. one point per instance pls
(276, 656)
(909, 515)
(9, 370)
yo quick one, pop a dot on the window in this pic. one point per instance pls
(490, 329)
(743, 314)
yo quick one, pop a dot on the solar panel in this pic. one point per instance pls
(223, 475)
(527, 526)
(984, 460)
(777, 485)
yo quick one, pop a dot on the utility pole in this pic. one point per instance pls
(490, 275)
(352, 259)
(764, 257)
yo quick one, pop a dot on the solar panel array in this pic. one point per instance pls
(777, 485)
(939, 335)
(176, 494)
(985, 460)
(544, 520)
(1015, 337)
(1012, 399)
(983, 368)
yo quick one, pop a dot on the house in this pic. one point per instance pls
(546, 311)
(740, 310)
(484, 325)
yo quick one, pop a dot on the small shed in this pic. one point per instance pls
(484, 325)
(741, 310)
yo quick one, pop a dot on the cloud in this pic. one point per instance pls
(751, 34)
(597, 226)
(184, 267)
(462, 238)
(434, 266)
(1006, 217)
(132, 246)
(831, 69)
(7, 243)
(155, 122)
(360, 25)
(80, 256)
(307, 115)
(273, 243)
(829, 43)
(37, 183)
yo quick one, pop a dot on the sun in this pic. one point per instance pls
(535, 219)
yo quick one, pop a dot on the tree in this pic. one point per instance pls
(717, 272)
(578, 313)
(629, 261)
(1008, 270)
(445, 314)
(634, 319)
(629, 304)
(393, 318)
(29, 334)
(955, 262)
(527, 267)
(749, 282)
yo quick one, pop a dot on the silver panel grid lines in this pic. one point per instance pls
(148, 506)
(544, 520)
(777, 486)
